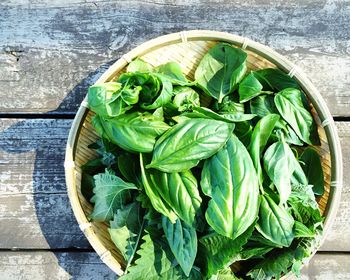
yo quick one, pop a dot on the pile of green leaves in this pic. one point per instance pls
(190, 185)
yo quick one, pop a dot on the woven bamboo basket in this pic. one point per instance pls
(187, 48)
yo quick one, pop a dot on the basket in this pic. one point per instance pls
(187, 48)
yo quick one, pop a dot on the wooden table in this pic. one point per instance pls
(51, 51)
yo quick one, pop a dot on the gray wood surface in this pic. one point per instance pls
(50, 51)
(35, 210)
(43, 265)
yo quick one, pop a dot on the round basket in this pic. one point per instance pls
(187, 48)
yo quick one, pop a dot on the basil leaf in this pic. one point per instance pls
(129, 167)
(273, 266)
(249, 88)
(202, 112)
(279, 164)
(126, 229)
(185, 98)
(290, 105)
(300, 230)
(180, 193)
(275, 79)
(313, 169)
(164, 96)
(152, 192)
(243, 130)
(157, 262)
(188, 142)
(148, 85)
(134, 132)
(173, 72)
(182, 241)
(264, 105)
(110, 194)
(220, 70)
(104, 99)
(217, 252)
(275, 222)
(138, 65)
(260, 136)
(230, 105)
(230, 179)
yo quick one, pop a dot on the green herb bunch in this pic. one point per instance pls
(194, 176)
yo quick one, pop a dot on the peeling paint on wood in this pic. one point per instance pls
(50, 51)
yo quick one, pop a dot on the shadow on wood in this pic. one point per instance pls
(48, 191)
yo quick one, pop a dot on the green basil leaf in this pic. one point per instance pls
(134, 132)
(157, 262)
(230, 105)
(138, 65)
(260, 136)
(243, 130)
(173, 72)
(249, 88)
(182, 240)
(129, 167)
(313, 169)
(264, 105)
(164, 96)
(275, 79)
(217, 252)
(279, 164)
(188, 142)
(273, 266)
(148, 85)
(290, 105)
(180, 193)
(104, 99)
(126, 229)
(110, 194)
(259, 240)
(256, 252)
(152, 192)
(185, 98)
(300, 230)
(220, 70)
(275, 222)
(230, 179)
(202, 112)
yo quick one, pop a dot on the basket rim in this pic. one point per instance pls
(207, 35)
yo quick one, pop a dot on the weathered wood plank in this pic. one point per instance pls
(50, 51)
(34, 207)
(47, 265)
(83, 265)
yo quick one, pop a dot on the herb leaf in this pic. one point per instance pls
(186, 143)
(220, 70)
(230, 179)
(110, 194)
(182, 240)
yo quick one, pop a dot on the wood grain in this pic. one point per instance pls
(42, 265)
(51, 51)
(34, 207)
